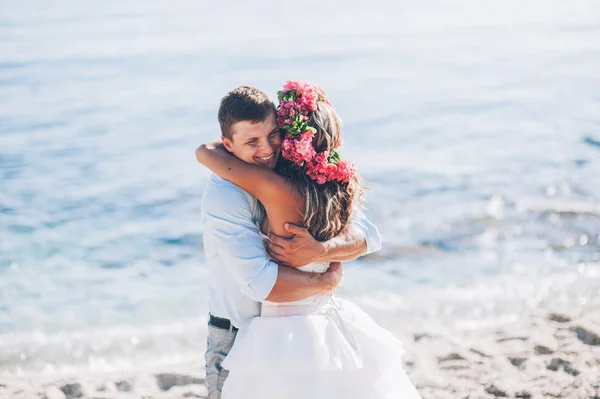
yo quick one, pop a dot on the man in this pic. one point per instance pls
(241, 274)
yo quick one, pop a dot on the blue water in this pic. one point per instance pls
(476, 127)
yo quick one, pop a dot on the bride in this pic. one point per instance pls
(322, 346)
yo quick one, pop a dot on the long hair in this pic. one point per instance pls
(328, 206)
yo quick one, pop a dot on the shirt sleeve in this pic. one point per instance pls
(372, 236)
(227, 216)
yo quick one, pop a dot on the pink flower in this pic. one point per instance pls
(306, 95)
(345, 171)
(298, 147)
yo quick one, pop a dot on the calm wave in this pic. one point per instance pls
(476, 126)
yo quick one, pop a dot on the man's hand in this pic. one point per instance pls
(297, 251)
(334, 276)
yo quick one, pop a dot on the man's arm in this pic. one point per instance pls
(293, 285)
(228, 218)
(360, 238)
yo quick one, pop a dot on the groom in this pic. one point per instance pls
(241, 272)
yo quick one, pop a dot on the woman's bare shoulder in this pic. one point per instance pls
(285, 206)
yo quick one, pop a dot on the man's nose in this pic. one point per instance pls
(266, 147)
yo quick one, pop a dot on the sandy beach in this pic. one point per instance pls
(544, 355)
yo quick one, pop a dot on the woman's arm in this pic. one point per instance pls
(275, 192)
(256, 180)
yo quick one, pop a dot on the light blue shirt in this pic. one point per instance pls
(241, 275)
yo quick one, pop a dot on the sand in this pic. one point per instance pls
(544, 355)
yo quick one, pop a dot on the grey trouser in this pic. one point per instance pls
(218, 345)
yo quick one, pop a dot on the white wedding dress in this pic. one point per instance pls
(322, 347)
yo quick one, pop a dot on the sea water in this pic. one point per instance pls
(475, 126)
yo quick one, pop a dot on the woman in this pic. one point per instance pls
(319, 347)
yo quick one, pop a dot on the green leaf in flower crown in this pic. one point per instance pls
(285, 96)
(290, 95)
(334, 157)
(292, 128)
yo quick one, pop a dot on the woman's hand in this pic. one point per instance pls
(204, 149)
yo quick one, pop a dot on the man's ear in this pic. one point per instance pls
(227, 143)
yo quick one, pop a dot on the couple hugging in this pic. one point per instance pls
(280, 213)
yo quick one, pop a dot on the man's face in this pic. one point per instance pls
(256, 143)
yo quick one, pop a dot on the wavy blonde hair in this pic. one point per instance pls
(328, 206)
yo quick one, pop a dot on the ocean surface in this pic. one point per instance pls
(476, 126)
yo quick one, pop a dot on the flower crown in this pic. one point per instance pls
(296, 101)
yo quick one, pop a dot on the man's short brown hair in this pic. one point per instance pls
(244, 104)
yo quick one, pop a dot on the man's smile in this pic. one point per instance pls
(267, 158)
(269, 161)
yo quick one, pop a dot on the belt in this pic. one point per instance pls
(221, 323)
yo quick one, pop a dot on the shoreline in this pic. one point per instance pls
(543, 355)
